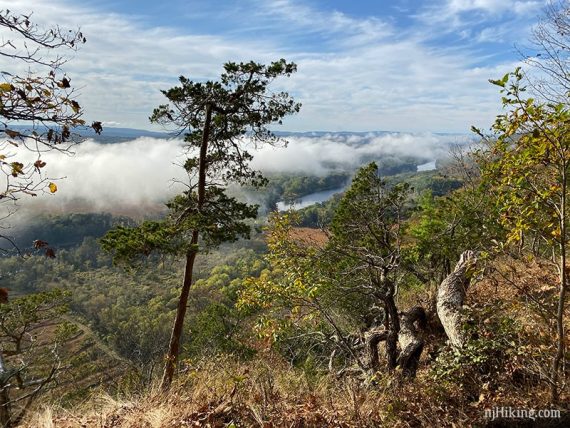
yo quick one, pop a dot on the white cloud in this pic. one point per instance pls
(134, 177)
(347, 151)
(367, 76)
(347, 31)
(137, 177)
(462, 16)
(519, 7)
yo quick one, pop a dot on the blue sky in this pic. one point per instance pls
(399, 65)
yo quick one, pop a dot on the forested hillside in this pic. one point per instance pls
(427, 288)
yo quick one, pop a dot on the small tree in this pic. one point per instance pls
(41, 99)
(351, 276)
(302, 290)
(528, 165)
(367, 238)
(219, 119)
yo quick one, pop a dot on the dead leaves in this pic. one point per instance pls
(17, 168)
(49, 252)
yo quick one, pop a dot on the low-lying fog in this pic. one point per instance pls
(137, 176)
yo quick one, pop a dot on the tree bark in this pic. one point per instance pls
(373, 338)
(561, 345)
(411, 343)
(409, 339)
(174, 345)
(450, 296)
(561, 342)
(393, 327)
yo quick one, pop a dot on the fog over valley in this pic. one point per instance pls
(136, 177)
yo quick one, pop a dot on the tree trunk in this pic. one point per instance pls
(450, 296)
(393, 327)
(373, 338)
(411, 343)
(561, 342)
(174, 346)
(561, 345)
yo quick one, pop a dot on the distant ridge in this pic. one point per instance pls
(109, 135)
(115, 134)
(125, 132)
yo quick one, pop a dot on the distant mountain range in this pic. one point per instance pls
(116, 135)
(109, 135)
(125, 132)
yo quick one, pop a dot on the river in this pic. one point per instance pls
(309, 200)
(318, 197)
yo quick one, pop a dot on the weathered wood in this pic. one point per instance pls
(410, 340)
(373, 338)
(450, 297)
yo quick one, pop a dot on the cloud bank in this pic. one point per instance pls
(317, 155)
(136, 177)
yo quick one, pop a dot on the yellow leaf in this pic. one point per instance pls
(5, 87)
(52, 187)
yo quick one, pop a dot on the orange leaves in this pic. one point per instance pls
(39, 164)
(49, 252)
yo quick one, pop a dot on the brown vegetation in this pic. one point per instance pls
(268, 392)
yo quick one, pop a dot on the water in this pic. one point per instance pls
(308, 200)
(429, 166)
(318, 197)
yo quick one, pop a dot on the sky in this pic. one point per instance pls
(392, 65)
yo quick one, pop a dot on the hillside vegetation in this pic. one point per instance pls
(273, 338)
(409, 299)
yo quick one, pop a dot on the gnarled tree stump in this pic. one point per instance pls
(450, 297)
(410, 340)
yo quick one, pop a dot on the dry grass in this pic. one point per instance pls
(266, 393)
(309, 236)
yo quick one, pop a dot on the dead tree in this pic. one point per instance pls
(410, 340)
(373, 339)
(408, 337)
(450, 296)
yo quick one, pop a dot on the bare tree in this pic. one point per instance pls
(38, 106)
(549, 53)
